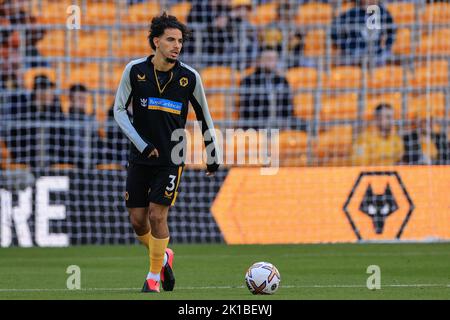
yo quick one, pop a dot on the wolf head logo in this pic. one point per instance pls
(378, 206)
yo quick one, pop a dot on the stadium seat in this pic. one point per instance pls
(264, 13)
(140, 12)
(304, 105)
(385, 77)
(372, 101)
(219, 77)
(343, 77)
(436, 43)
(88, 74)
(30, 74)
(109, 166)
(52, 12)
(134, 45)
(339, 107)
(181, 10)
(5, 154)
(92, 44)
(314, 13)
(315, 43)
(402, 12)
(436, 13)
(402, 44)
(293, 148)
(426, 105)
(334, 145)
(433, 73)
(6, 161)
(53, 44)
(101, 13)
(302, 77)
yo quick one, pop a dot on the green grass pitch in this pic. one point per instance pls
(408, 271)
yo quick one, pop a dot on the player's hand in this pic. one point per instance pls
(211, 169)
(150, 151)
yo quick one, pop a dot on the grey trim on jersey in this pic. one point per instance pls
(123, 98)
(199, 95)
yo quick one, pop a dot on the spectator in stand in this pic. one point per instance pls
(37, 137)
(380, 144)
(229, 38)
(265, 93)
(361, 34)
(272, 36)
(82, 130)
(214, 15)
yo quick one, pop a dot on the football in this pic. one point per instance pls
(262, 278)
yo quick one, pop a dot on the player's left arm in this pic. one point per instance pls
(200, 105)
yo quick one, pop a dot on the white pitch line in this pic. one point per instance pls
(421, 285)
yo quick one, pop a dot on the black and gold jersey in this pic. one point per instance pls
(159, 102)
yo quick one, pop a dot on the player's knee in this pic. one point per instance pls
(157, 216)
(140, 226)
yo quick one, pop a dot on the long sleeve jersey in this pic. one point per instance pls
(159, 109)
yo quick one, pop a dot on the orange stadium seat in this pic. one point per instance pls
(88, 74)
(315, 43)
(304, 105)
(264, 13)
(140, 12)
(6, 161)
(333, 146)
(437, 42)
(339, 107)
(219, 77)
(92, 44)
(62, 166)
(402, 44)
(181, 10)
(433, 73)
(134, 45)
(402, 12)
(52, 12)
(394, 99)
(101, 13)
(293, 148)
(302, 77)
(343, 77)
(109, 166)
(314, 13)
(436, 13)
(385, 77)
(30, 74)
(426, 105)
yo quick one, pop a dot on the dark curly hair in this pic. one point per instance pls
(163, 22)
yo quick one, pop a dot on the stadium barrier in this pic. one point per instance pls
(339, 204)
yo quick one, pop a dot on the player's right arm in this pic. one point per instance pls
(123, 99)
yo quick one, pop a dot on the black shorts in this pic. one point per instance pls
(147, 184)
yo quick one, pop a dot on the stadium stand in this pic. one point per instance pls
(333, 99)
